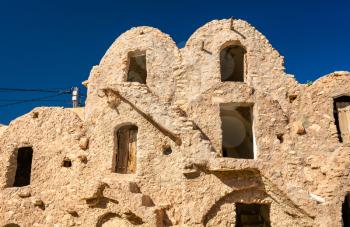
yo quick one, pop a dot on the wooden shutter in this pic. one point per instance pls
(343, 109)
(126, 154)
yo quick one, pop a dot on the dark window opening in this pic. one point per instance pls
(346, 211)
(232, 63)
(11, 225)
(24, 166)
(237, 131)
(292, 98)
(252, 215)
(167, 150)
(67, 163)
(125, 159)
(341, 108)
(280, 137)
(137, 71)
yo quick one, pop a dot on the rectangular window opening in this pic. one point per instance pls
(346, 211)
(24, 166)
(342, 118)
(137, 71)
(252, 215)
(126, 149)
(237, 131)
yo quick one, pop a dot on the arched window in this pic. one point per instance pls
(232, 63)
(11, 225)
(342, 117)
(24, 166)
(346, 211)
(137, 71)
(126, 145)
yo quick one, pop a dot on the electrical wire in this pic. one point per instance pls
(12, 102)
(31, 90)
(20, 100)
(35, 99)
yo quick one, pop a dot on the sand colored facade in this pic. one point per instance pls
(213, 134)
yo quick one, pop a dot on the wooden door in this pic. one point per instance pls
(126, 153)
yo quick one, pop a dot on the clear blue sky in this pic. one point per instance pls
(54, 44)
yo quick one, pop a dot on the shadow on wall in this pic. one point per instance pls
(112, 219)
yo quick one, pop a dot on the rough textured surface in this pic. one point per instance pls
(300, 169)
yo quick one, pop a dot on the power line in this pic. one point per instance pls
(12, 102)
(35, 99)
(31, 90)
(20, 100)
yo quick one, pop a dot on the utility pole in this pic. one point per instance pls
(75, 95)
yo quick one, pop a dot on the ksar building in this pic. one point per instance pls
(213, 134)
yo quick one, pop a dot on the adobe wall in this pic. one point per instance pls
(303, 177)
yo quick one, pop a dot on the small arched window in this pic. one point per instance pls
(126, 144)
(232, 63)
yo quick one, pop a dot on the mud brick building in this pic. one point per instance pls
(213, 134)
